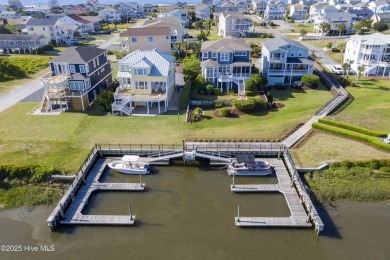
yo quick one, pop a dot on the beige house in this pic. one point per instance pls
(233, 23)
(146, 82)
(146, 39)
(176, 25)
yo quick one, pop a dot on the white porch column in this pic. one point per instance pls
(82, 102)
(158, 103)
(147, 106)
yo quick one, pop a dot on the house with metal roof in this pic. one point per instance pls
(146, 83)
(371, 51)
(77, 78)
(275, 10)
(233, 23)
(146, 38)
(226, 63)
(19, 43)
(285, 61)
(202, 11)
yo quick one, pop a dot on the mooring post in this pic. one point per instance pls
(308, 215)
(234, 174)
(140, 178)
(61, 211)
(280, 148)
(238, 213)
(130, 210)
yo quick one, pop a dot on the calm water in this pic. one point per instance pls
(188, 213)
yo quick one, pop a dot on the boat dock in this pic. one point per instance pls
(72, 215)
(86, 181)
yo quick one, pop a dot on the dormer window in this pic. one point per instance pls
(140, 71)
(205, 55)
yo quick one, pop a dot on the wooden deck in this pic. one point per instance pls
(298, 218)
(74, 216)
(255, 188)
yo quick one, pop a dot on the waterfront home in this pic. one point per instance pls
(77, 78)
(127, 10)
(240, 5)
(149, 8)
(146, 38)
(285, 61)
(379, 7)
(180, 13)
(259, 6)
(202, 11)
(381, 17)
(73, 22)
(275, 10)
(360, 14)
(10, 15)
(233, 23)
(298, 11)
(110, 14)
(371, 51)
(317, 10)
(176, 25)
(96, 21)
(334, 19)
(226, 63)
(18, 43)
(146, 78)
(48, 28)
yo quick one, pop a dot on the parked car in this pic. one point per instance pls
(337, 70)
(84, 34)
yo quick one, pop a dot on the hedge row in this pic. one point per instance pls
(185, 95)
(372, 164)
(354, 128)
(351, 134)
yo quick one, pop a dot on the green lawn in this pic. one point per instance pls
(371, 107)
(64, 140)
(324, 42)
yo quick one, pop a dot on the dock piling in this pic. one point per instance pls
(130, 210)
(238, 213)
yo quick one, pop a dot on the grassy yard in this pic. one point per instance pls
(64, 140)
(95, 39)
(324, 42)
(371, 105)
(325, 147)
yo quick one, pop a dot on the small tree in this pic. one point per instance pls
(360, 70)
(115, 22)
(197, 114)
(325, 28)
(311, 80)
(191, 68)
(250, 85)
(105, 99)
(341, 27)
(329, 45)
(303, 32)
(210, 89)
(380, 26)
(225, 111)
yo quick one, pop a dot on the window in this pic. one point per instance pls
(11, 43)
(97, 61)
(210, 72)
(76, 85)
(240, 53)
(292, 54)
(167, 37)
(300, 54)
(133, 39)
(224, 57)
(205, 55)
(140, 71)
(288, 47)
(94, 63)
(72, 69)
(214, 55)
(102, 70)
(24, 43)
(150, 39)
(141, 85)
(82, 69)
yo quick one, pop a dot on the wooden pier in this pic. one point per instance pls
(74, 216)
(298, 218)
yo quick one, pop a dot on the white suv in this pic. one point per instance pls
(337, 70)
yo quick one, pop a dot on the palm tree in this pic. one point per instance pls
(360, 70)
(324, 27)
(345, 67)
(341, 27)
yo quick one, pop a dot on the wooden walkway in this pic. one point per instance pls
(298, 218)
(74, 216)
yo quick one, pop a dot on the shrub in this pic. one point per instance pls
(354, 128)
(105, 99)
(210, 89)
(250, 93)
(217, 91)
(225, 111)
(250, 85)
(110, 52)
(249, 104)
(197, 114)
(310, 79)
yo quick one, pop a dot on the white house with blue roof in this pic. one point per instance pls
(226, 63)
(146, 78)
(285, 61)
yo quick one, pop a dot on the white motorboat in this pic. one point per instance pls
(130, 164)
(247, 165)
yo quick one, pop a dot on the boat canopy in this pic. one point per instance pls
(130, 158)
